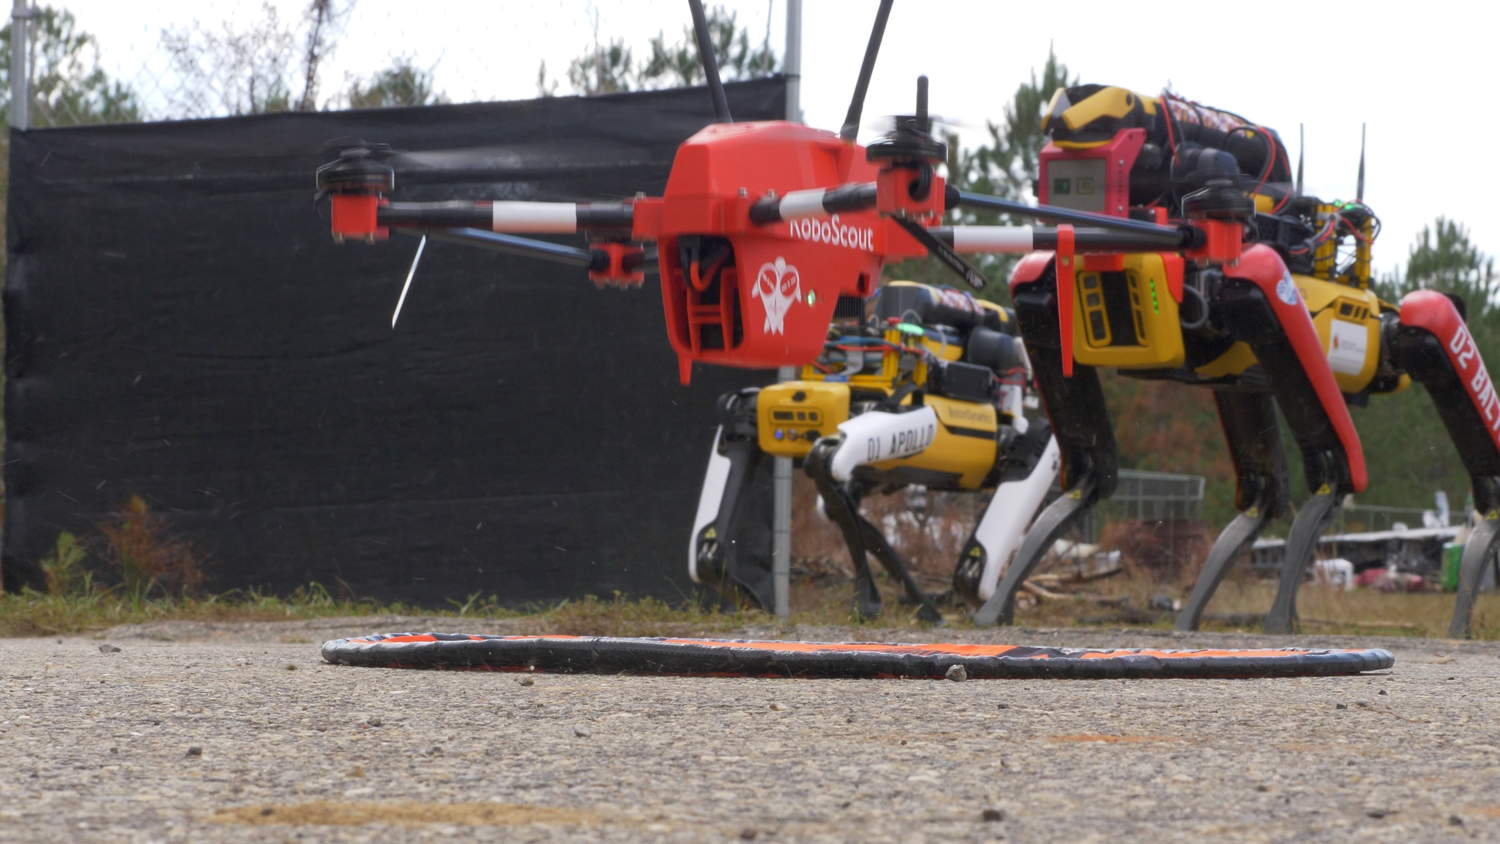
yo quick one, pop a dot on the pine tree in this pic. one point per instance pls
(1443, 258)
(611, 67)
(68, 88)
(401, 84)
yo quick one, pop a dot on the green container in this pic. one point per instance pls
(1453, 554)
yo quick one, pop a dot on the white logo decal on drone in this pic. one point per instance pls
(1286, 289)
(777, 285)
(833, 232)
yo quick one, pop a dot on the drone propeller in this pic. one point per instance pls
(910, 142)
(886, 123)
(348, 143)
(475, 161)
(910, 146)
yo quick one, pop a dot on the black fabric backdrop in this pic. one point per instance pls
(181, 327)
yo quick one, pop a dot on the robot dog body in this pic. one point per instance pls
(1287, 323)
(929, 392)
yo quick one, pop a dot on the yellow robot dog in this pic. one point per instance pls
(1290, 323)
(927, 391)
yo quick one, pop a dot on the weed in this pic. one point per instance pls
(622, 616)
(138, 546)
(64, 570)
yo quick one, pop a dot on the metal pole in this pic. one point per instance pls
(781, 523)
(781, 474)
(792, 65)
(20, 87)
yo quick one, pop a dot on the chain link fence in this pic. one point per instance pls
(101, 61)
(1143, 496)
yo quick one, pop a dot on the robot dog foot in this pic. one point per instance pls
(1312, 518)
(1481, 549)
(1001, 607)
(1239, 534)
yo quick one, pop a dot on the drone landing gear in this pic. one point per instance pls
(863, 538)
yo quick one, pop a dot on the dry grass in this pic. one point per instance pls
(1239, 605)
(824, 602)
(1330, 610)
(32, 613)
(622, 616)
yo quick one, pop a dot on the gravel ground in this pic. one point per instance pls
(175, 732)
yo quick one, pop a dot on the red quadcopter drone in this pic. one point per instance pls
(764, 227)
(761, 228)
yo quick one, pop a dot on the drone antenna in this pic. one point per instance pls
(1359, 192)
(923, 123)
(710, 64)
(1301, 151)
(857, 105)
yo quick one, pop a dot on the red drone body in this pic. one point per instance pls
(767, 300)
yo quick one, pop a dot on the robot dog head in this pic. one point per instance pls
(1112, 149)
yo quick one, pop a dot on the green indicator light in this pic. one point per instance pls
(908, 328)
(812, 297)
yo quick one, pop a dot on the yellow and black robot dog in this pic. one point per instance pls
(1287, 321)
(927, 391)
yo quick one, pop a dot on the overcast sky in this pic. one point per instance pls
(1416, 73)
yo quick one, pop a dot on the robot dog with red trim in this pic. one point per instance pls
(763, 228)
(1283, 322)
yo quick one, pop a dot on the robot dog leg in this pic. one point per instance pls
(1084, 437)
(1026, 473)
(1249, 422)
(865, 439)
(740, 572)
(1433, 344)
(1260, 304)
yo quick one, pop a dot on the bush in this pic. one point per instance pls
(1164, 552)
(64, 570)
(137, 544)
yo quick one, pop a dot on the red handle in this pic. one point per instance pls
(1064, 270)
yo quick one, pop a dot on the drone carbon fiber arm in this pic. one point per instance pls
(508, 216)
(859, 196)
